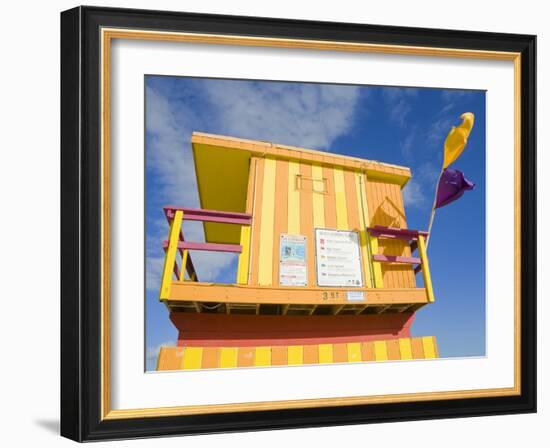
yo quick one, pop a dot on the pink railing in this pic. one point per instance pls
(417, 240)
(183, 246)
(398, 234)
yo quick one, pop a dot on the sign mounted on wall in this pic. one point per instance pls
(338, 258)
(292, 261)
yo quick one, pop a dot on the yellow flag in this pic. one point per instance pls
(457, 138)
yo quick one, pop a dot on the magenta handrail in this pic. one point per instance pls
(196, 214)
(212, 247)
(399, 234)
(396, 233)
(396, 259)
(204, 215)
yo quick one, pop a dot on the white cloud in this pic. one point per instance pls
(398, 103)
(420, 190)
(309, 115)
(447, 108)
(152, 353)
(413, 195)
(428, 173)
(438, 131)
(407, 144)
(153, 271)
(168, 153)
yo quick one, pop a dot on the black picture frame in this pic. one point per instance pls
(81, 224)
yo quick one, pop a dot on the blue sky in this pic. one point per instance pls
(400, 125)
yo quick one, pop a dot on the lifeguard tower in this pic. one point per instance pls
(326, 271)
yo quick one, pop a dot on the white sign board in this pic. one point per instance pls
(338, 258)
(293, 261)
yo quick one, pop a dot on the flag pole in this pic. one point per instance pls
(432, 215)
(452, 148)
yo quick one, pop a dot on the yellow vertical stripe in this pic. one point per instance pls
(293, 198)
(363, 220)
(354, 351)
(295, 355)
(263, 356)
(325, 353)
(380, 351)
(244, 257)
(228, 357)
(192, 358)
(170, 256)
(340, 195)
(184, 258)
(428, 344)
(405, 348)
(318, 196)
(265, 259)
(376, 267)
(425, 268)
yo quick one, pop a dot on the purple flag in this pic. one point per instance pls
(452, 186)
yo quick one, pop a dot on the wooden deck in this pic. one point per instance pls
(239, 299)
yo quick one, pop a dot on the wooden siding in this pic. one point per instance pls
(385, 208)
(296, 197)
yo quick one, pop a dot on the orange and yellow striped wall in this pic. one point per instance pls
(288, 196)
(386, 208)
(190, 358)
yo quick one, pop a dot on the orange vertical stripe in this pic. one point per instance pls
(386, 246)
(367, 351)
(381, 215)
(245, 357)
(306, 221)
(256, 221)
(371, 200)
(210, 358)
(170, 358)
(399, 246)
(351, 200)
(340, 353)
(393, 349)
(251, 185)
(279, 355)
(330, 199)
(281, 213)
(417, 348)
(408, 274)
(243, 268)
(353, 216)
(311, 354)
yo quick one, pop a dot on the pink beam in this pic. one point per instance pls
(396, 233)
(194, 214)
(212, 247)
(396, 259)
(238, 221)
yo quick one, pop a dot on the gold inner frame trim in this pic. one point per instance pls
(107, 35)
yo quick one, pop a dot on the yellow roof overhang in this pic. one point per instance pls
(222, 180)
(222, 166)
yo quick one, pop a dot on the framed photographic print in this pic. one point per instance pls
(273, 223)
